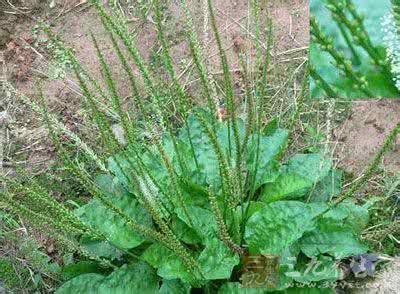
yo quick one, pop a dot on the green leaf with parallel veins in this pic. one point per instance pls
(184, 232)
(174, 287)
(333, 238)
(297, 178)
(87, 283)
(236, 288)
(101, 248)
(82, 267)
(270, 147)
(110, 224)
(286, 186)
(309, 166)
(217, 260)
(203, 221)
(133, 278)
(328, 187)
(206, 157)
(168, 265)
(253, 208)
(277, 226)
(354, 216)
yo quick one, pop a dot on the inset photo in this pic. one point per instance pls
(355, 48)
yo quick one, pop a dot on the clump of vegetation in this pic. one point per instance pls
(351, 56)
(23, 264)
(188, 193)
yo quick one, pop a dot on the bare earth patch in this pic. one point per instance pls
(75, 20)
(364, 132)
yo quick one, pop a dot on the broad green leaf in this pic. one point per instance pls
(309, 166)
(236, 288)
(101, 248)
(222, 135)
(333, 238)
(82, 267)
(184, 232)
(277, 226)
(354, 216)
(317, 208)
(174, 287)
(133, 278)
(286, 186)
(328, 187)
(204, 150)
(253, 208)
(269, 149)
(300, 174)
(168, 265)
(121, 169)
(87, 283)
(217, 261)
(271, 127)
(194, 193)
(202, 221)
(110, 224)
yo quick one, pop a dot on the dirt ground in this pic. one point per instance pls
(27, 56)
(363, 133)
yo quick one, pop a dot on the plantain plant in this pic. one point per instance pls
(354, 55)
(185, 205)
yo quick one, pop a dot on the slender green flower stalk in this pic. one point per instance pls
(166, 238)
(52, 225)
(172, 239)
(84, 73)
(223, 164)
(184, 104)
(223, 230)
(39, 219)
(36, 197)
(61, 128)
(87, 182)
(197, 55)
(121, 30)
(174, 180)
(263, 81)
(255, 10)
(342, 63)
(396, 12)
(391, 38)
(324, 84)
(228, 83)
(250, 105)
(299, 102)
(82, 251)
(357, 29)
(228, 86)
(103, 125)
(115, 99)
(128, 70)
(148, 233)
(357, 60)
